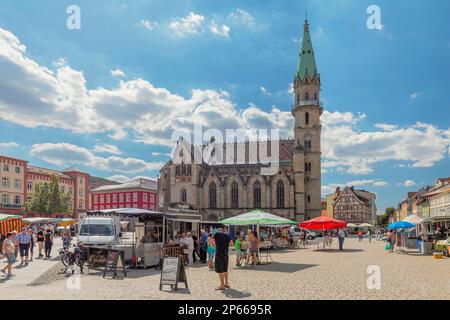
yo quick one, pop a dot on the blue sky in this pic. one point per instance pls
(228, 63)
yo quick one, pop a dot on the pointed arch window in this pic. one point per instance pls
(280, 194)
(212, 195)
(234, 195)
(183, 196)
(257, 195)
(307, 118)
(306, 96)
(307, 143)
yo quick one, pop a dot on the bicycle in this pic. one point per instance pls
(69, 259)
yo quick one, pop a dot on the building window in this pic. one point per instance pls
(234, 195)
(135, 197)
(257, 195)
(121, 197)
(5, 168)
(183, 169)
(102, 198)
(298, 98)
(17, 169)
(152, 197)
(306, 96)
(177, 170)
(144, 197)
(309, 198)
(280, 194)
(128, 197)
(30, 185)
(212, 195)
(70, 190)
(16, 184)
(145, 206)
(80, 205)
(5, 199)
(81, 180)
(315, 95)
(114, 198)
(80, 192)
(96, 198)
(108, 199)
(5, 182)
(307, 143)
(189, 170)
(183, 195)
(307, 118)
(17, 200)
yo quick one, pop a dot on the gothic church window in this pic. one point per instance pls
(280, 194)
(234, 195)
(212, 195)
(306, 96)
(183, 195)
(257, 195)
(307, 118)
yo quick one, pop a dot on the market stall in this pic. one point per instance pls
(9, 223)
(323, 223)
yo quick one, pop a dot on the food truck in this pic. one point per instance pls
(139, 233)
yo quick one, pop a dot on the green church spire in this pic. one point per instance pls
(307, 61)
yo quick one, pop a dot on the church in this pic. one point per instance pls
(219, 191)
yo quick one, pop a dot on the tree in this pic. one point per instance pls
(48, 198)
(388, 212)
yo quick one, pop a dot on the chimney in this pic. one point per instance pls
(338, 191)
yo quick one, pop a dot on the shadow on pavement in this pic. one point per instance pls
(278, 267)
(236, 294)
(337, 250)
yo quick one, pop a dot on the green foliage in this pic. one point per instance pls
(48, 198)
(384, 219)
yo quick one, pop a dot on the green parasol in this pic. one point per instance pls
(256, 217)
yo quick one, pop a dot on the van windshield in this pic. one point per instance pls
(96, 230)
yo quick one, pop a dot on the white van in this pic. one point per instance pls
(99, 231)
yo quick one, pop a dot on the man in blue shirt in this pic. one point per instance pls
(24, 240)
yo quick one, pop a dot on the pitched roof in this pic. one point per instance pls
(307, 61)
(50, 172)
(133, 184)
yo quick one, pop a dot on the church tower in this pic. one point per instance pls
(307, 110)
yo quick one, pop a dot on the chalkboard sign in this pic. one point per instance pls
(172, 273)
(112, 262)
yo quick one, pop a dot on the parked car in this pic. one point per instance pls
(296, 231)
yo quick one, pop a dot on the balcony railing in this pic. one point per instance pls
(307, 103)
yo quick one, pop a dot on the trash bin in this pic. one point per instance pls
(427, 247)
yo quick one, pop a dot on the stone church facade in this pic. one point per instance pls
(224, 190)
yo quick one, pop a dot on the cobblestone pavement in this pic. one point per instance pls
(295, 274)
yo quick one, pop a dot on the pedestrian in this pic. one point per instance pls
(66, 239)
(391, 240)
(203, 246)
(254, 247)
(360, 236)
(369, 235)
(196, 253)
(237, 250)
(33, 241)
(341, 237)
(48, 242)
(16, 244)
(211, 251)
(223, 242)
(190, 248)
(24, 240)
(8, 251)
(40, 242)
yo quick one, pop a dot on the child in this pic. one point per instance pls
(237, 250)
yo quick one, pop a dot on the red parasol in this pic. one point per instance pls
(323, 223)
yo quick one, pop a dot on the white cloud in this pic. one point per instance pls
(117, 73)
(191, 24)
(66, 154)
(370, 182)
(265, 91)
(241, 17)
(107, 148)
(386, 127)
(415, 95)
(8, 144)
(223, 30)
(409, 183)
(32, 95)
(147, 24)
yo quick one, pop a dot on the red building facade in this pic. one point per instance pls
(139, 193)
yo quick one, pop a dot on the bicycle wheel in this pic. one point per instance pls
(65, 260)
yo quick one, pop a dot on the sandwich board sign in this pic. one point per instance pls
(112, 262)
(172, 272)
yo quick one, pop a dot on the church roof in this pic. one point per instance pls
(307, 61)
